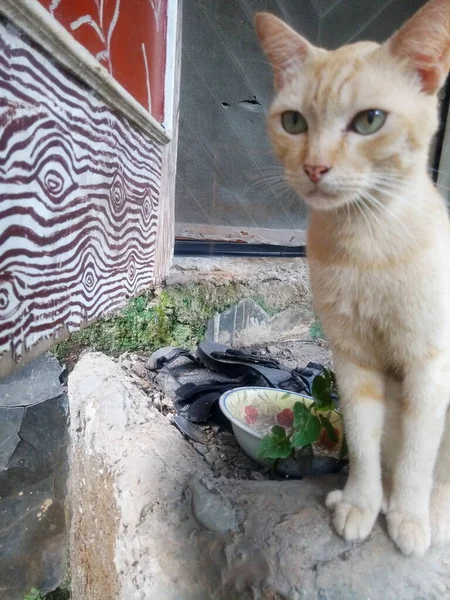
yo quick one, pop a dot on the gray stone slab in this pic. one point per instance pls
(32, 541)
(33, 476)
(226, 326)
(247, 324)
(308, 561)
(35, 382)
(10, 422)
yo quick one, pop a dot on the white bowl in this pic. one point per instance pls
(234, 402)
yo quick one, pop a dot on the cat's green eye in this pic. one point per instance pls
(294, 122)
(368, 121)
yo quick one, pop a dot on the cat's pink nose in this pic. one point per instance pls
(316, 172)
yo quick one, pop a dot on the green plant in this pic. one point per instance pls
(33, 594)
(62, 593)
(306, 424)
(174, 316)
(315, 330)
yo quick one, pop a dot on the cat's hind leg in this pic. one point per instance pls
(361, 394)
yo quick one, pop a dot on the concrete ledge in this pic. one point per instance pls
(278, 282)
(136, 484)
(187, 269)
(128, 469)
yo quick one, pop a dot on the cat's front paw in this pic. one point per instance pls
(411, 533)
(353, 518)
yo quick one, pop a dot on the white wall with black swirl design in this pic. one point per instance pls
(79, 203)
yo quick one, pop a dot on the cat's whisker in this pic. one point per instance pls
(444, 171)
(388, 182)
(385, 209)
(265, 184)
(393, 185)
(349, 213)
(380, 226)
(265, 197)
(360, 208)
(376, 204)
(368, 202)
(382, 209)
(274, 182)
(274, 168)
(387, 191)
(387, 177)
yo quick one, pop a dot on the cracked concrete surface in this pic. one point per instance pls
(132, 499)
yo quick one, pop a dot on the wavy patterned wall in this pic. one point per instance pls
(79, 203)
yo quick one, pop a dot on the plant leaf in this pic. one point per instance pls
(307, 435)
(321, 392)
(33, 594)
(306, 426)
(275, 445)
(326, 423)
(301, 412)
(278, 432)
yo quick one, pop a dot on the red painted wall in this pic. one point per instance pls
(127, 37)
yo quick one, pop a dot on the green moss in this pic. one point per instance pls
(62, 593)
(269, 309)
(33, 594)
(315, 330)
(59, 594)
(144, 322)
(176, 316)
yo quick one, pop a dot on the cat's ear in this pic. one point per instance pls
(283, 46)
(424, 41)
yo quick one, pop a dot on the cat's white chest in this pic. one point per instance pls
(399, 310)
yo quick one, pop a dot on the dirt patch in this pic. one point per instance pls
(94, 561)
(297, 353)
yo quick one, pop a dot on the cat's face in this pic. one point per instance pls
(348, 124)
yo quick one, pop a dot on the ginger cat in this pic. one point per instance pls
(352, 128)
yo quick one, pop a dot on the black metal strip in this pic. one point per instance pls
(443, 114)
(203, 248)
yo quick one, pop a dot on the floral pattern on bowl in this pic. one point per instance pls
(253, 412)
